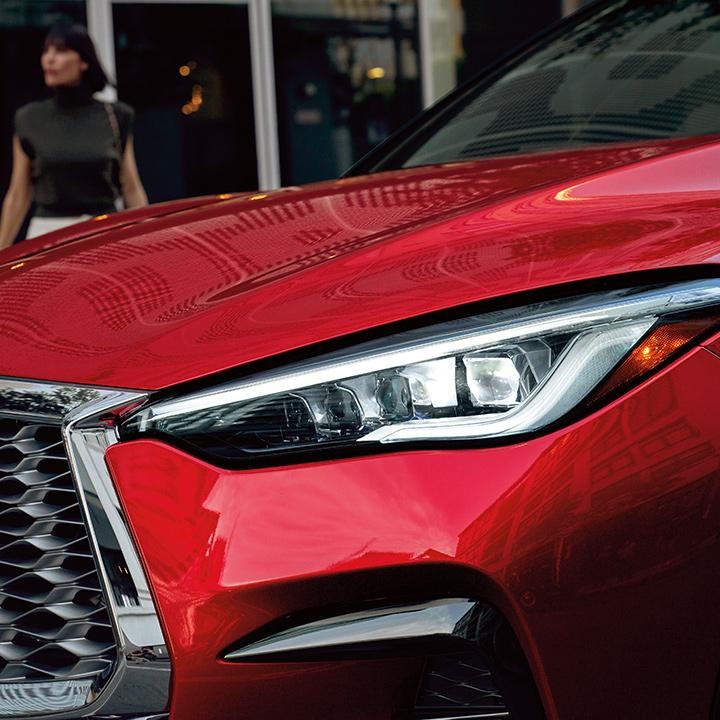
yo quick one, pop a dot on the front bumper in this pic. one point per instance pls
(598, 543)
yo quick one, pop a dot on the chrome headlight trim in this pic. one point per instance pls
(603, 328)
(140, 683)
(371, 357)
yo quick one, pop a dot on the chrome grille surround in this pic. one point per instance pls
(79, 632)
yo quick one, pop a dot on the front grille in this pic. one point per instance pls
(54, 623)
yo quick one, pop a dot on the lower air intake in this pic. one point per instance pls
(492, 679)
(459, 685)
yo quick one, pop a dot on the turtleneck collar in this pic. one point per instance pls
(73, 96)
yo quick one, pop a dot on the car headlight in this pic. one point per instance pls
(495, 374)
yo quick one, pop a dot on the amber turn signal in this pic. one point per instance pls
(663, 343)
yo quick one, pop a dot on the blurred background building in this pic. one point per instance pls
(235, 95)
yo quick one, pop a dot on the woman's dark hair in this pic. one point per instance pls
(66, 36)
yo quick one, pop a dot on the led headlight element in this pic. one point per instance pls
(496, 374)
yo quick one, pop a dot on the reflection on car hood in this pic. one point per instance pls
(180, 296)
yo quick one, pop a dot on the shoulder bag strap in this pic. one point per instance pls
(117, 144)
(112, 119)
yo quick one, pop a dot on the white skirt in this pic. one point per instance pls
(42, 225)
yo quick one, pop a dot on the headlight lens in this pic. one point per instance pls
(497, 374)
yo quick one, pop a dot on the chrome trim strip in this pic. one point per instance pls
(474, 716)
(162, 716)
(408, 622)
(30, 698)
(140, 685)
(23, 397)
(451, 338)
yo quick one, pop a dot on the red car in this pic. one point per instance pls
(437, 440)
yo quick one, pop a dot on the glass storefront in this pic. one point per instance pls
(238, 94)
(347, 75)
(185, 68)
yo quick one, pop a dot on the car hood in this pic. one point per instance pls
(161, 300)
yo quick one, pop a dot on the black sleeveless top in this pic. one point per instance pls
(75, 152)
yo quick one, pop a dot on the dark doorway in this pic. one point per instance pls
(344, 82)
(185, 68)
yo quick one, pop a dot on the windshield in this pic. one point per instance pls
(634, 70)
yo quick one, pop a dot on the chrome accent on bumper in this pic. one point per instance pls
(409, 622)
(473, 716)
(140, 684)
(162, 716)
(31, 698)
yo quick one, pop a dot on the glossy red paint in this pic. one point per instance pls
(598, 541)
(174, 298)
(103, 224)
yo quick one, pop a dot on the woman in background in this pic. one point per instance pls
(73, 155)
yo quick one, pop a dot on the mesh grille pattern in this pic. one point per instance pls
(458, 682)
(54, 623)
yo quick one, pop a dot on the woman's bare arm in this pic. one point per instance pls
(18, 198)
(132, 190)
